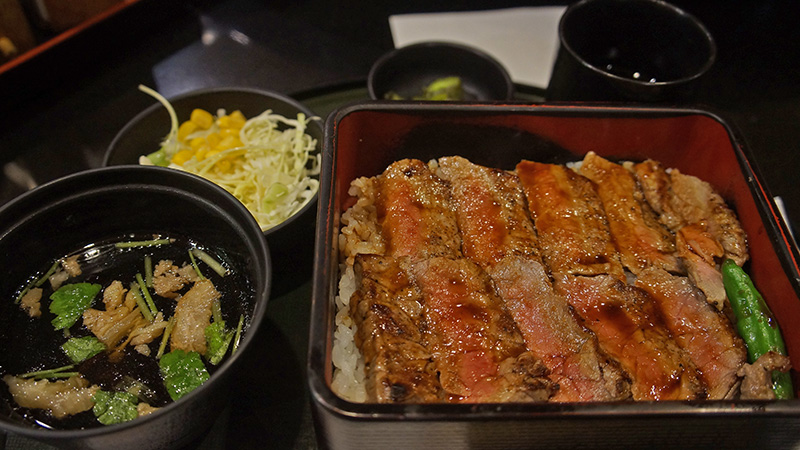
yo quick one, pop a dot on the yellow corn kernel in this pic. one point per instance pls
(224, 121)
(197, 142)
(229, 142)
(186, 129)
(213, 139)
(238, 118)
(233, 120)
(201, 118)
(212, 152)
(224, 165)
(228, 132)
(201, 153)
(182, 156)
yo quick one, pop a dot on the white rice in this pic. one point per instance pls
(360, 234)
(348, 374)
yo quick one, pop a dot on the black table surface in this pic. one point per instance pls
(60, 110)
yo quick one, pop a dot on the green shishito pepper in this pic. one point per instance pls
(755, 323)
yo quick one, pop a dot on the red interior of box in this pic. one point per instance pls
(695, 143)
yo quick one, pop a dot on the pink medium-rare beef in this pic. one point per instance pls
(490, 209)
(696, 239)
(570, 352)
(388, 311)
(641, 240)
(703, 204)
(656, 187)
(415, 212)
(699, 251)
(573, 230)
(683, 200)
(498, 235)
(478, 349)
(706, 231)
(707, 336)
(629, 330)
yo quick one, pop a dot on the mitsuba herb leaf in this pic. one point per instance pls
(183, 372)
(82, 348)
(70, 301)
(218, 340)
(114, 407)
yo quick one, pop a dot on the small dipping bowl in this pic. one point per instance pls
(406, 71)
(291, 242)
(629, 50)
(67, 214)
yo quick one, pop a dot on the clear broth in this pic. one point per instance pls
(32, 344)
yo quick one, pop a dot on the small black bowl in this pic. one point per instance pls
(291, 242)
(629, 50)
(66, 214)
(408, 70)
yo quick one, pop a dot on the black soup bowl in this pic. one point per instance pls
(291, 241)
(70, 214)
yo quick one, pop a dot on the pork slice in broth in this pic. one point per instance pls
(192, 316)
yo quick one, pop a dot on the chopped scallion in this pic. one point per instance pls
(49, 373)
(143, 308)
(47, 274)
(150, 243)
(57, 375)
(217, 311)
(212, 263)
(38, 282)
(148, 270)
(147, 297)
(165, 337)
(238, 335)
(196, 268)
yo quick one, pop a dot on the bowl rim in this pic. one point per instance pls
(381, 62)
(224, 371)
(314, 120)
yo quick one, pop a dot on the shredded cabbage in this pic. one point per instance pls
(271, 173)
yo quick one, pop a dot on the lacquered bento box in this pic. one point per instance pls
(363, 139)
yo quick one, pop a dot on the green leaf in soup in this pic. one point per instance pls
(114, 407)
(79, 349)
(183, 372)
(70, 301)
(218, 340)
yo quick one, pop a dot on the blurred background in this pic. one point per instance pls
(68, 77)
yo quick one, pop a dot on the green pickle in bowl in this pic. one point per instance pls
(445, 89)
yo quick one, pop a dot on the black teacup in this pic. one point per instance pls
(629, 50)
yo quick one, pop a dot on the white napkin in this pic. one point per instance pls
(524, 40)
